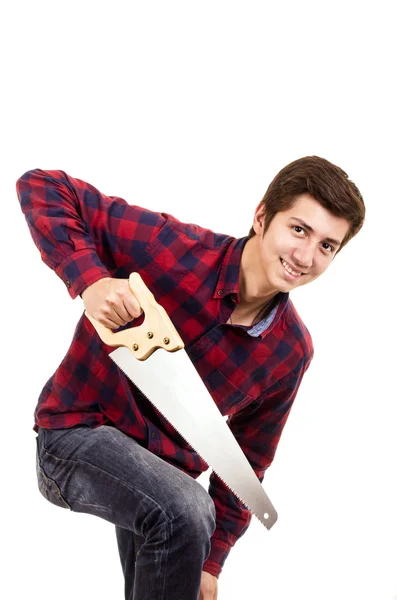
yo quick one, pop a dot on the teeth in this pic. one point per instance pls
(288, 268)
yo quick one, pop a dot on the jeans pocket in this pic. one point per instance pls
(47, 486)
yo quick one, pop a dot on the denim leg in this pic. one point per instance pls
(105, 473)
(129, 545)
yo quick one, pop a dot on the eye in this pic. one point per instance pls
(331, 248)
(298, 227)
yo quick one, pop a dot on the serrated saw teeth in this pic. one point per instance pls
(266, 525)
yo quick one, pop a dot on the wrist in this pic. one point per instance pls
(92, 285)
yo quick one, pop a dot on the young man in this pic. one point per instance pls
(102, 448)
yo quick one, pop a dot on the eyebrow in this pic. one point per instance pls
(328, 239)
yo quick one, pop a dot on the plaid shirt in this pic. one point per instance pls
(252, 373)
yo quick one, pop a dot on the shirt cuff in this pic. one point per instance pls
(81, 270)
(217, 556)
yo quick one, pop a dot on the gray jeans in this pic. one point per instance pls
(164, 519)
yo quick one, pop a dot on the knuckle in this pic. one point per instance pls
(107, 312)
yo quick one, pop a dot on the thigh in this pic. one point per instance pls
(106, 473)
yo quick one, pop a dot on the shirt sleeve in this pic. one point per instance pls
(82, 234)
(257, 428)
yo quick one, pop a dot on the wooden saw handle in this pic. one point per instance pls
(157, 330)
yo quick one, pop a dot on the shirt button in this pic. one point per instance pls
(220, 292)
(153, 434)
(68, 284)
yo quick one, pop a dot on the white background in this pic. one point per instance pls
(192, 108)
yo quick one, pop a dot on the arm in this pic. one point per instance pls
(257, 428)
(82, 234)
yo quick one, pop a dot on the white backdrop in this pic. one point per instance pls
(192, 108)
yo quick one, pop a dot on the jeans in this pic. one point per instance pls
(164, 518)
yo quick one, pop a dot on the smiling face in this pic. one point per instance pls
(298, 246)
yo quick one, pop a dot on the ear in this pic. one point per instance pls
(259, 219)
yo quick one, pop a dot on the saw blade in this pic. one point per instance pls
(172, 384)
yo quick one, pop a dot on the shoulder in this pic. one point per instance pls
(194, 244)
(197, 233)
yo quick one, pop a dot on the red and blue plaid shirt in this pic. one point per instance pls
(252, 373)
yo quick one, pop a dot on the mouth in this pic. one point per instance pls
(291, 273)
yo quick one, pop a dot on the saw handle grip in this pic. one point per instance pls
(157, 330)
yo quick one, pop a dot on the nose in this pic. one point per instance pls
(304, 256)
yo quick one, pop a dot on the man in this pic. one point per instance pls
(102, 448)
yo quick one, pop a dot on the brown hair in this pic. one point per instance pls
(325, 182)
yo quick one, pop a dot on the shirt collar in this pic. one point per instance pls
(261, 328)
(228, 285)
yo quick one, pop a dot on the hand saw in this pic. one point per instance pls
(152, 356)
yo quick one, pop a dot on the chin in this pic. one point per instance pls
(286, 286)
(280, 286)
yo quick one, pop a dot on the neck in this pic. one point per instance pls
(255, 291)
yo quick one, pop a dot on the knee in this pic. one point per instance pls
(196, 510)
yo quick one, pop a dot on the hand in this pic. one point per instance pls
(111, 302)
(208, 587)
